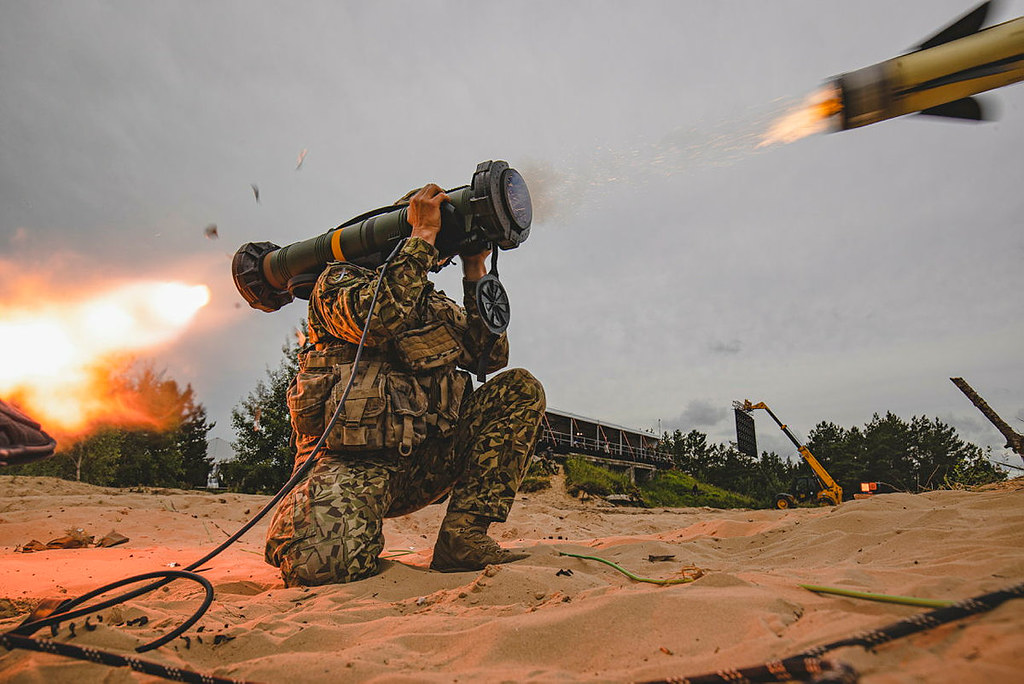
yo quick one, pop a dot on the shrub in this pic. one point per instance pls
(535, 483)
(583, 476)
(674, 488)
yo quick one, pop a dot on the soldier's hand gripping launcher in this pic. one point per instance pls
(494, 211)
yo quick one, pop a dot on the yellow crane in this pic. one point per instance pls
(826, 493)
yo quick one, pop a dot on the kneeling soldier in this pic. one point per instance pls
(412, 429)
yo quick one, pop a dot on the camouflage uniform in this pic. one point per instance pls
(412, 429)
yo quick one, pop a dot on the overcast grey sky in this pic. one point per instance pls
(672, 268)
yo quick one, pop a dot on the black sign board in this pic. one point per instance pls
(746, 438)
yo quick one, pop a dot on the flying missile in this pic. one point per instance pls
(939, 77)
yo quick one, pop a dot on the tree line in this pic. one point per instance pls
(173, 452)
(908, 456)
(169, 451)
(912, 456)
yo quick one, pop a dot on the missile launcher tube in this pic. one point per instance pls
(933, 77)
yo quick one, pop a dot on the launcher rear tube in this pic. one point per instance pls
(371, 236)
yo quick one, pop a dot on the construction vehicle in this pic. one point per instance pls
(821, 489)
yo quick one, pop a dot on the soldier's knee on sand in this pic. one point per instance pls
(310, 565)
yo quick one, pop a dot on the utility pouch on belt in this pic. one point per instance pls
(308, 392)
(407, 425)
(429, 347)
(384, 409)
(448, 392)
(362, 422)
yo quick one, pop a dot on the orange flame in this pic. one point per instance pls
(56, 358)
(812, 116)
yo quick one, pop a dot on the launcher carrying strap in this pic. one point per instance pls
(493, 307)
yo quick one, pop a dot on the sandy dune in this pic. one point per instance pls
(528, 621)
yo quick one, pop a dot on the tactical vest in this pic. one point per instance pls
(403, 393)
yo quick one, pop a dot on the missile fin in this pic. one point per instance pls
(967, 108)
(964, 26)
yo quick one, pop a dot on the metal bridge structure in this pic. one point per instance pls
(637, 452)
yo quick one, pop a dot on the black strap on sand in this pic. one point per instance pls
(924, 621)
(12, 641)
(808, 666)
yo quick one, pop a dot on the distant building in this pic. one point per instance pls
(218, 450)
(567, 433)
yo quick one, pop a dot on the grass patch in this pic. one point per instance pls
(675, 489)
(583, 476)
(668, 488)
(535, 483)
(538, 477)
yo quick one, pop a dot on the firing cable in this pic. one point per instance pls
(64, 611)
(809, 666)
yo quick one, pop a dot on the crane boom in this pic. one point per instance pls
(830, 493)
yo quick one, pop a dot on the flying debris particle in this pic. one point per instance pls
(255, 192)
(302, 157)
(211, 231)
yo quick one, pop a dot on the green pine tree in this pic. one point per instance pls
(191, 442)
(263, 451)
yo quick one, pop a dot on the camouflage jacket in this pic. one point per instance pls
(407, 386)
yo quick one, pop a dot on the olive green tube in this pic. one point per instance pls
(346, 243)
(493, 211)
(373, 235)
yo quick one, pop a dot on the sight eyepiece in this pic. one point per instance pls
(493, 210)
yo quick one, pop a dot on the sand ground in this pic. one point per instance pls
(531, 621)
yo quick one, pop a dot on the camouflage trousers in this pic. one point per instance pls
(329, 529)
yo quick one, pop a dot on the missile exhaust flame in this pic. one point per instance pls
(818, 113)
(58, 358)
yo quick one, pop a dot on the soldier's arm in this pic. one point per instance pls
(342, 296)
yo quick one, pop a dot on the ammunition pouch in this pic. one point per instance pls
(448, 391)
(387, 407)
(429, 347)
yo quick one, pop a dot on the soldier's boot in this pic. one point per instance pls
(463, 545)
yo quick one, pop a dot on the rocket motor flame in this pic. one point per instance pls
(813, 115)
(55, 358)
